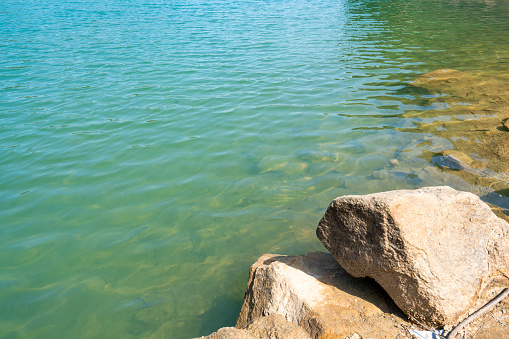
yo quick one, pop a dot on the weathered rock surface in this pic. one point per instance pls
(273, 326)
(276, 326)
(229, 333)
(439, 253)
(314, 292)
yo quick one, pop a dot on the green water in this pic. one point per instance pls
(150, 151)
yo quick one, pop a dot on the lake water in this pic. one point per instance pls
(151, 151)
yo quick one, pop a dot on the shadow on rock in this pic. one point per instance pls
(313, 291)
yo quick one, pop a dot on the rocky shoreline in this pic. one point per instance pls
(411, 263)
(402, 264)
(469, 110)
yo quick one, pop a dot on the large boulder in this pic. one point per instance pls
(439, 253)
(315, 293)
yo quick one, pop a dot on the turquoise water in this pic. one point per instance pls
(150, 151)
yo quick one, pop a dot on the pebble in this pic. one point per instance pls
(394, 162)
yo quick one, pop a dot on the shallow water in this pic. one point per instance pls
(150, 151)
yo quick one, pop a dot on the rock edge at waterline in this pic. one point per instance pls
(313, 292)
(423, 247)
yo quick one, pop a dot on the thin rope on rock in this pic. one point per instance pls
(478, 313)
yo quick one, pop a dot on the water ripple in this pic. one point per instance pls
(148, 150)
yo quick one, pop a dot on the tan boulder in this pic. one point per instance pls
(439, 253)
(314, 292)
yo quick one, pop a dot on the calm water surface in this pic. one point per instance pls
(150, 151)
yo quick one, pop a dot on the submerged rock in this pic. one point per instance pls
(450, 162)
(456, 160)
(472, 113)
(439, 253)
(460, 156)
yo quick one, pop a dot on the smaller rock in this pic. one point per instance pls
(394, 162)
(276, 326)
(458, 155)
(315, 293)
(382, 174)
(229, 333)
(453, 159)
(449, 162)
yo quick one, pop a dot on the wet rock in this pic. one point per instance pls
(453, 159)
(439, 253)
(450, 162)
(458, 155)
(314, 292)
(456, 160)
